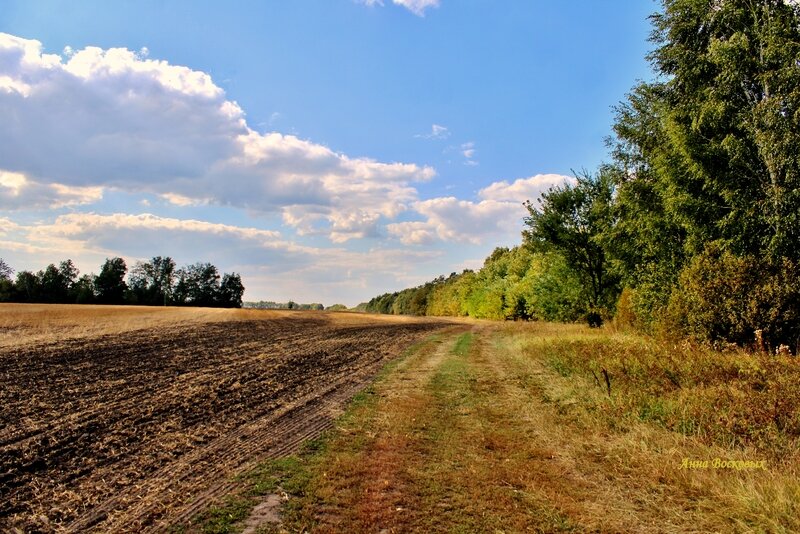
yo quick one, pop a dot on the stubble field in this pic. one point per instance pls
(123, 419)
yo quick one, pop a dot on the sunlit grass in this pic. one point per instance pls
(511, 427)
(45, 323)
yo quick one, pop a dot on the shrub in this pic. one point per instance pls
(724, 297)
(625, 316)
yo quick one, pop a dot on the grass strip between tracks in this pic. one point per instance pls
(514, 428)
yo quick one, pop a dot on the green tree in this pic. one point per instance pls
(197, 285)
(151, 283)
(110, 285)
(707, 153)
(6, 284)
(730, 115)
(231, 291)
(56, 283)
(83, 290)
(571, 220)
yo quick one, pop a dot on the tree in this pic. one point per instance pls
(707, 153)
(28, 287)
(56, 283)
(110, 285)
(731, 118)
(231, 291)
(571, 220)
(5, 271)
(6, 285)
(151, 282)
(82, 291)
(198, 285)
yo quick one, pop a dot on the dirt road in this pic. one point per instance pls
(138, 430)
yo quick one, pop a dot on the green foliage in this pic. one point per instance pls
(708, 174)
(730, 113)
(291, 305)
(27, 287)
(553, 290)
(197, 285)
(110, 285)
(82, 291)
(571, 220)
(515, 284)
(231, 290)
(150, 283)
(724, 297)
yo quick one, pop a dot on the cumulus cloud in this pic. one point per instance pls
(18, 192)
(413, 232)
(145, 235)
(417, 7)
(499, 211)
(117, 119)
(451, 219)
(524, 188)
(272, 267)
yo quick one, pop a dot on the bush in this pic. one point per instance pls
(724, 297)
(625, 316)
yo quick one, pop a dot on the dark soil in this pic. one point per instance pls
(140, 431)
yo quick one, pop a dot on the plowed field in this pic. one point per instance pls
(138, 430)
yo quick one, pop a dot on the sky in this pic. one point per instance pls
(326, 150)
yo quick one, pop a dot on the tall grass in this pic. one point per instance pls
(733, 399)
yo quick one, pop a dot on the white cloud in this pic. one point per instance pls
(146, 235)
(272, 267)
(417, 7)
(17, 192)
(468, 151)
(180, 200)
(414, 232)
(524, 188)
(437, 132)
(117, 119)
(498, 213)
(464, 221)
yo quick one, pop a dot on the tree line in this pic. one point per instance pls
(156, 282)
(694, 225)
(514, 283)
(291, 305)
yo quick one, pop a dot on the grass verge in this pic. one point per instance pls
(552, 428)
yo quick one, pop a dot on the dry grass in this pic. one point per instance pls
(629, 446)
(506, 429)
(736, 399)
(46, 323)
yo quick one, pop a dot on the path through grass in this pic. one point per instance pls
(511, 428)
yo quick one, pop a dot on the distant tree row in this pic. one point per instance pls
(291, 305)
(152, 283)
(514, 284)
(694, 227)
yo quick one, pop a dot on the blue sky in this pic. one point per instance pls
(327, 150)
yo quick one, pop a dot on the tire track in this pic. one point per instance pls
(139, 430)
